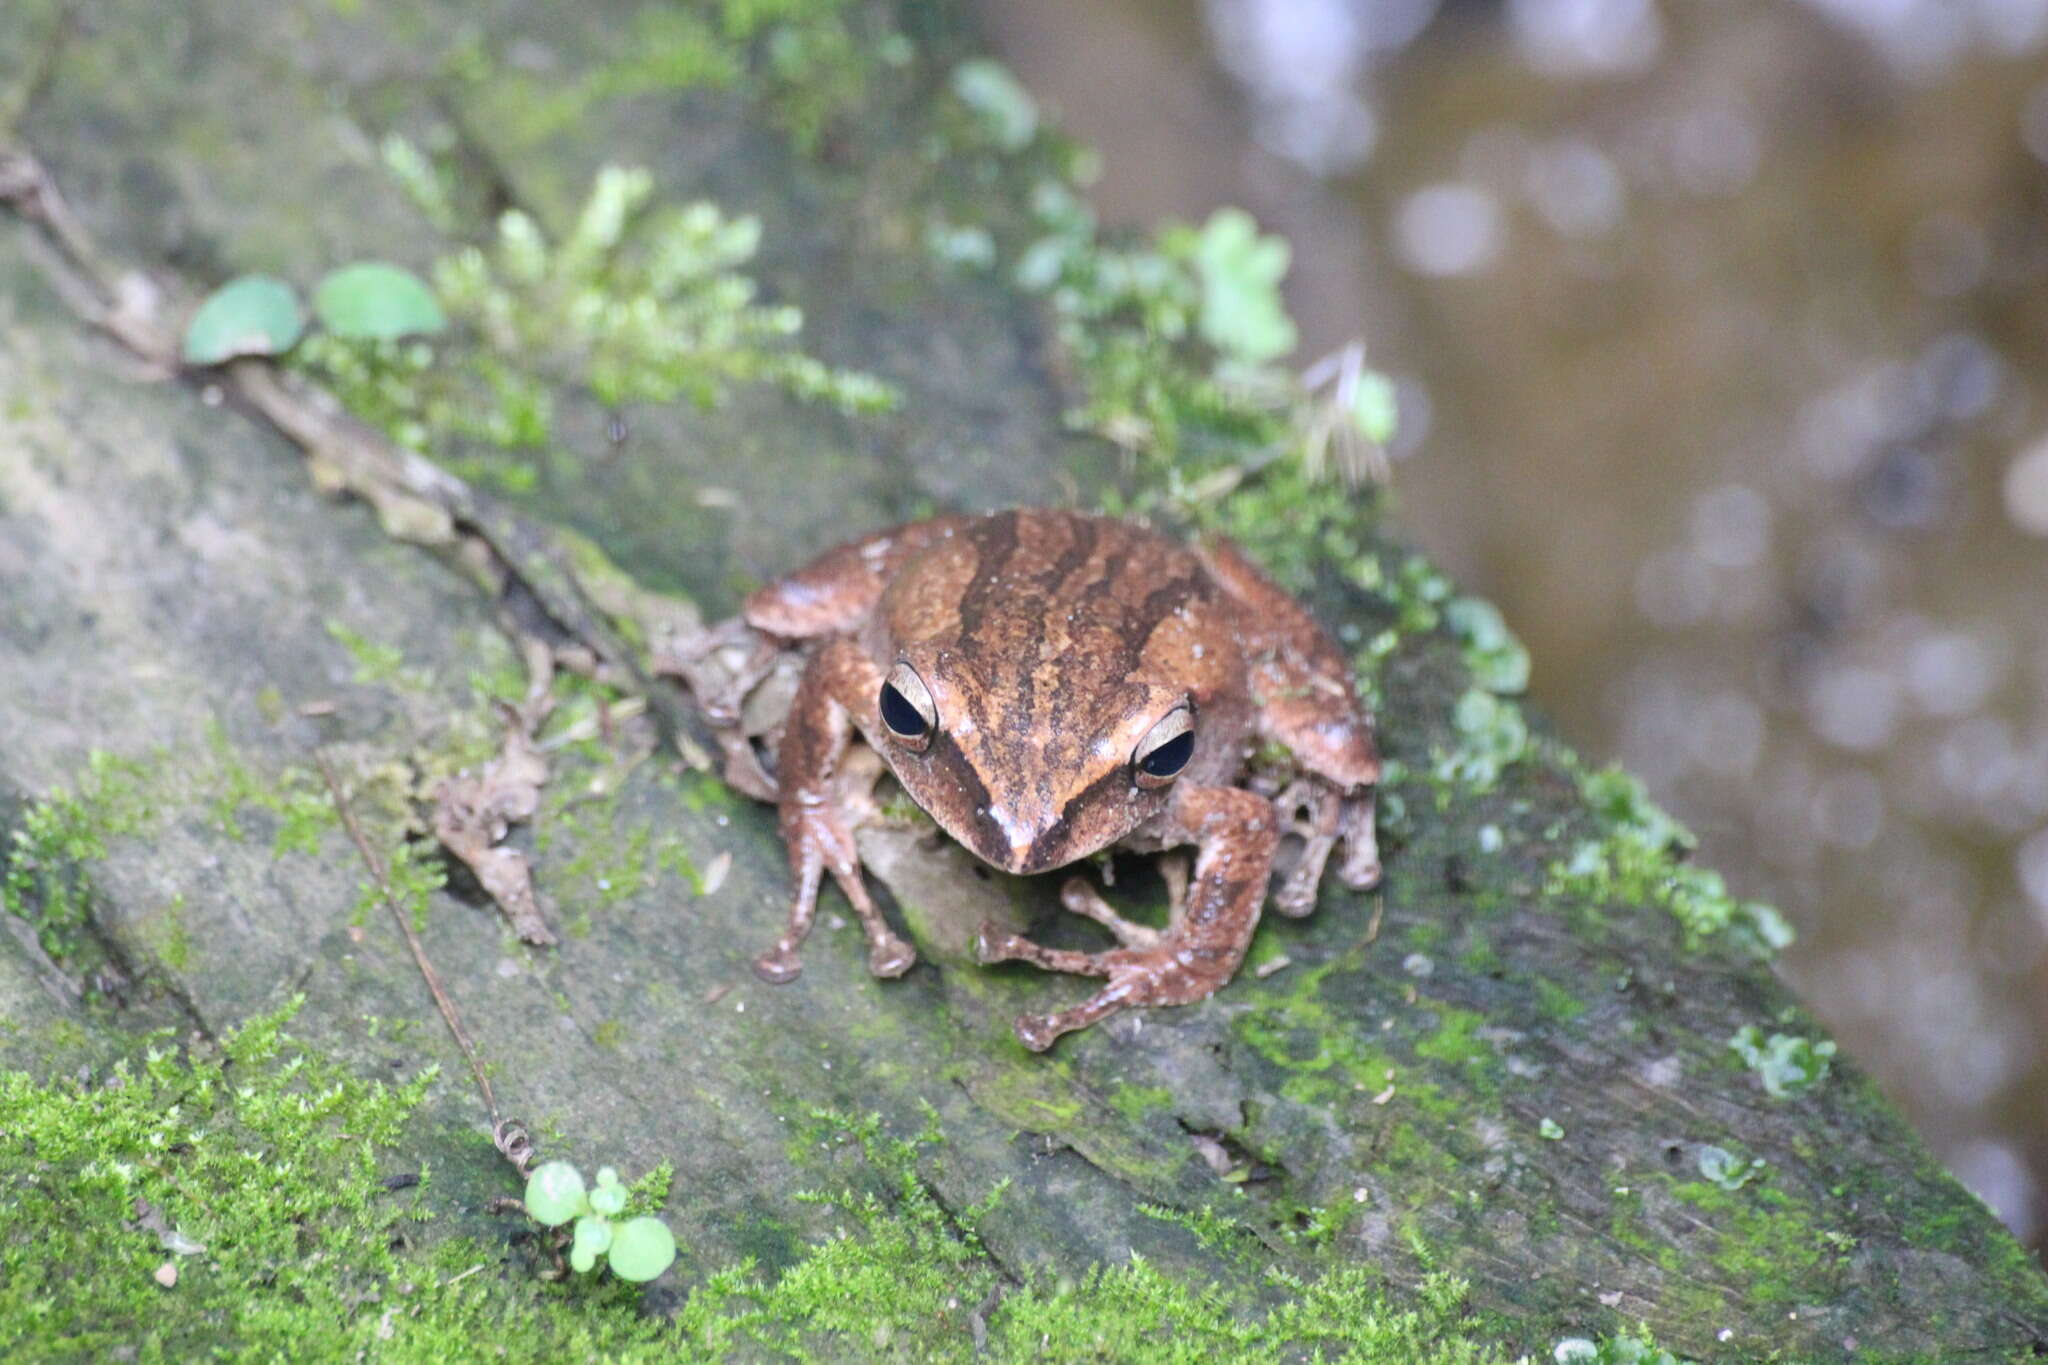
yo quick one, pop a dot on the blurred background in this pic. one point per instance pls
(1720, 331)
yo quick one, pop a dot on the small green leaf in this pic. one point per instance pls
(373, 301)
(1005, 107)
(609, 1197)
(642, 1248)
(249, 315)
(1785, 1063)
(1242, 312)
(592, 1239)
(1726, 1169)
(554, 1193)
(1551, 1129)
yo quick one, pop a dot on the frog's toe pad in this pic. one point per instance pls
(992, 943)
(1037, 1031)
(891, 957)
(1295, 898)
(778, 966)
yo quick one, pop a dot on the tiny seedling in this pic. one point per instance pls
(637, 1249)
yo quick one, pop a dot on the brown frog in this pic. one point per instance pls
(1047, 685)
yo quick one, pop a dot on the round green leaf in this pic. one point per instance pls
(593, 1236)
(642, 1248)
(249, 315)
(375, 301)
(609, 1197)
(554, 1193)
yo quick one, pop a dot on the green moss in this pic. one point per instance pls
(258, 1173)
(414, 872)
(1479, 956)
(1639, 860)
(166, 932)
(297, 798)
(255, 1172)
(633, 304)
(1556, 1002)
(612, 858)
(1329, 1064)
(1456, 1044)
(1768, 1244)
(45, 878)
(1134, 1102)
(375, 663)
(806, 65)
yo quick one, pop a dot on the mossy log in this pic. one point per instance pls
(1473, 1072)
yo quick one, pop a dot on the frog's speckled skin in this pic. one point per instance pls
(1050, 645)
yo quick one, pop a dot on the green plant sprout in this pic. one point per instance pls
(1613, 1351)
(637, 1249)
(633, 304)
(261, 315)
(1786, 1064)
(1727, 1170)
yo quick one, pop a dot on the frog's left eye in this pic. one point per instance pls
(906, 707)
(1165, 749)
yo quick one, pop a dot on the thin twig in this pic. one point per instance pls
(412, 938)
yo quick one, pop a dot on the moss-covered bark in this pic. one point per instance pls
(1496, 1069)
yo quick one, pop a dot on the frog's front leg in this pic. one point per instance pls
(1234, 833)
(817, 813)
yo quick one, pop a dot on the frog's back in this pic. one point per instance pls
(1013, 592)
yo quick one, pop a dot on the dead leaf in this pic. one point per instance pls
(150, 1218)
(472, 813)
(716, 873)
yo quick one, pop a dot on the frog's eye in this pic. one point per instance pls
(907, 710)
(1165, 749)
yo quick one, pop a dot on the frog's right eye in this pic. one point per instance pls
(907, 710)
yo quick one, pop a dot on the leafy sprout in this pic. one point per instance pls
(636, 1249)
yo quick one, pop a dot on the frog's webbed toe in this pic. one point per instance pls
(820, 840)
(1360, 868)
(1150, 966)
(1323, 817)
(1310, 810)
(780, 965)
(1126, 969)
(1160, 975)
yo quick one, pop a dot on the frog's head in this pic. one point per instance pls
(1031, 769)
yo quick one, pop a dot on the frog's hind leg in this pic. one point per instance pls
(1307, 702)
(1301, 681)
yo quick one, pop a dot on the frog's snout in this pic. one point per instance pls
(1020, 840)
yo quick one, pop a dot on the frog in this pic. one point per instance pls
(1050, 686)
